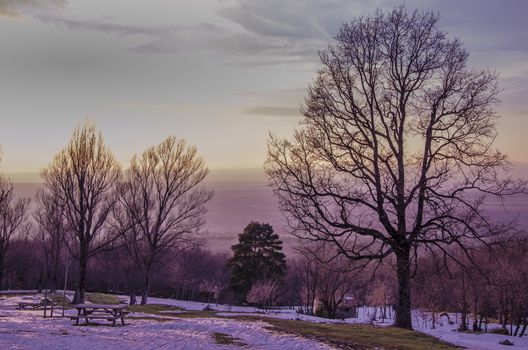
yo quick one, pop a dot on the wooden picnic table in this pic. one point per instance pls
(34, 305)
(110, 312)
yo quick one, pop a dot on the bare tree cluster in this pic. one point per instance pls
(490, 287)
(327, 284)
(50, 233)
(13, 215)
(90, 206)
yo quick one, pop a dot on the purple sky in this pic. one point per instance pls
(220, 73)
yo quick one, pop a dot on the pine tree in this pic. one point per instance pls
(257, 257)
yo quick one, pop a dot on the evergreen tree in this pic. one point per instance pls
(257, 257)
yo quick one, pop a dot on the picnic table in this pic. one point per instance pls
(33, 305)
(109, 312)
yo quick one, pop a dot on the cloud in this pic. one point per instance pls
(15, 8)
(273, 111)
(255, 32)
(236, 47)
(275, 18)
(259, 33)
(105, 26)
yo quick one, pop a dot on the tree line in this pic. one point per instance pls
(89, 205)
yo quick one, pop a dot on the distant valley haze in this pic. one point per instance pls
(243, 195)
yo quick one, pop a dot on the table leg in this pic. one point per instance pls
(77, 319)
(122, 316)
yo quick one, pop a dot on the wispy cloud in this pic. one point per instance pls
(236, 47)
(105, 26)
(264, 33)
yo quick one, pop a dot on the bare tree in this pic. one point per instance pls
(12, 216)
(162, 203)
(83, 177)
(309, 272)
(328, 277)
(395, 151)
(50, 232)
(264, 293)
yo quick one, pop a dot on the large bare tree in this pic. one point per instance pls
(12, 216)
(83, 177)
(162, 203)
(395, 152)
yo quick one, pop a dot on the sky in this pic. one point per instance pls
(220, 73)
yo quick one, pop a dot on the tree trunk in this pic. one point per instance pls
(1, 270)
(463, 326)
(523, 330)
(79, 298)
(518, 325)
(55, 271)
(146, 287)
(132, 298)
(464, 316)
(403, 306)
(504, 320)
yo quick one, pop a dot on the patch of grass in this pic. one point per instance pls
(12, 295)
(356, 336)
(171, 311)
(101, 298)
(226, 339)
(156, 309)
(195, 314)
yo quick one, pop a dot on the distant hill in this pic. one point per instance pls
(243, 195)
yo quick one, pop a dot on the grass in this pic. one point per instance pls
(357, 336)
(101, 298)
(197, 314)
(226, 339)
(344, 336)
(172, 311)
(156, 309)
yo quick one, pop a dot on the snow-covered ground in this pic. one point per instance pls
(24, 330)
(28, 330)
(443, 330)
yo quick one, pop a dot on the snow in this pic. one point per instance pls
(482, 341)
(26, 329)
